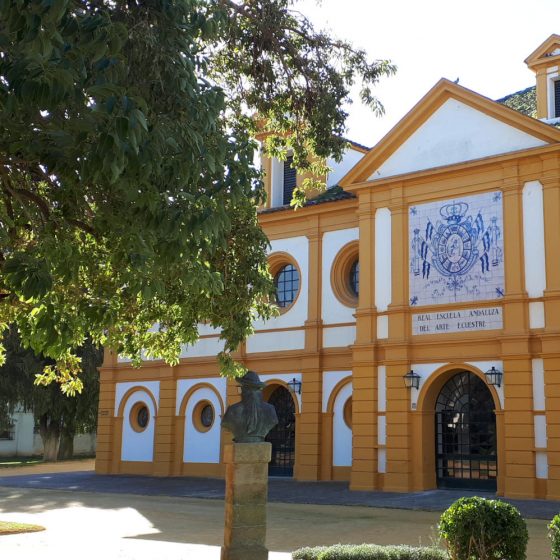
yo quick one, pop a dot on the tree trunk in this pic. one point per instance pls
(66, 448)
(50, 435)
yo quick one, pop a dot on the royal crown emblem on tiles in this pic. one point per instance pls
(456, 250)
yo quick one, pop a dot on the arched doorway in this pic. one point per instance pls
(283, 435)
(466, 450)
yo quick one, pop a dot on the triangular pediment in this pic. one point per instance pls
(450, 125)
(548, 52)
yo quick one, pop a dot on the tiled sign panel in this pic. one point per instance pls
(456, 250)
(458, 320)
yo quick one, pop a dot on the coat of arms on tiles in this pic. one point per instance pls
(456, 250)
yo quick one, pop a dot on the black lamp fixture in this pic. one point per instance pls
(411, 380)
(494, 377)
(295, 386)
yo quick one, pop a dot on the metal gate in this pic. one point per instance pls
(466, 454)
(283, 435)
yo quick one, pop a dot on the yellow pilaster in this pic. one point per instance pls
(165, 425)
(308, 437)
(364, 474)
(519, 468)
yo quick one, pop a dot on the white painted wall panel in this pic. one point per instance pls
(381, 388)
(382, 430)
(540, 431)
(455, 133)
(382, 460)
(185, 385)
(122, 388)
(538, 384)
(338, 337)
(342, 434)
(533, 239)
(383, 326)
(330, 380)
(333, 310)
(277, 182)
(202, 447)
(541, 464)
(276, 341)
(203, 347)
(349, 159)
(382, 259)
(298, 248)
(536, 315)
(138, 446)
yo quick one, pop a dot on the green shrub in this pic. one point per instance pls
(369, 552)
(480, 529)
(554, 534)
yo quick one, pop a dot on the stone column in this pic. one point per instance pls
(246, 498)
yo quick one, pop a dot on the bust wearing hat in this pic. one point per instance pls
(252, 418)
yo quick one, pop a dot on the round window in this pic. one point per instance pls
(345, 275)
(207, 416)
(347, 412)
(286, 283)
(203, 416)
(139, 417)
(355, 278)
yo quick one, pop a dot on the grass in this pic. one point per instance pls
(9, 462)
(13, 528)
(19, 461)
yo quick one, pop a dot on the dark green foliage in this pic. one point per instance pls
(480, 529)
(128, 193)
(369, 552)
(58, 417)
(554, 535)
(524, 101)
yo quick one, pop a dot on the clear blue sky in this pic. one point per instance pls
(481, 42)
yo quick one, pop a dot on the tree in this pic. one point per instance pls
(58, 417)
(128, 191)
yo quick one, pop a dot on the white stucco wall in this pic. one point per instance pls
(342, 434)
(533, 239)
(454, 133)
(138, 446)
(350, 158)
(202, 447)
(296, 315)
(330, 380)
(333, 311)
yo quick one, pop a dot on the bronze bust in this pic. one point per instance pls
(252, 418)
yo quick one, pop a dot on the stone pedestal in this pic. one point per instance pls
(246, 498)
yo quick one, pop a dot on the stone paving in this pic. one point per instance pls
(280, 491)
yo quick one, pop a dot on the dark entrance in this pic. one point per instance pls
(466, 434)
(283, 436)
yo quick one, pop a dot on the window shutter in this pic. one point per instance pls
(289, 180)
(557, 98)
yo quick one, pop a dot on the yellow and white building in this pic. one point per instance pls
(438, 254)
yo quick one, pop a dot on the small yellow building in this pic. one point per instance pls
(418, 344)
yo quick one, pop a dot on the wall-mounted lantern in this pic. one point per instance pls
(295, 386)
(494, 377)
(411, 380)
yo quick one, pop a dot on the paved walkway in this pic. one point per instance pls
(120, 526)
(280, 491)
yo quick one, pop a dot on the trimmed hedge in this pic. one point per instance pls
(554, 534)
(480, 529)
(369, 552)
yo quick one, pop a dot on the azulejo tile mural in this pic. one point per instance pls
(456, 250)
